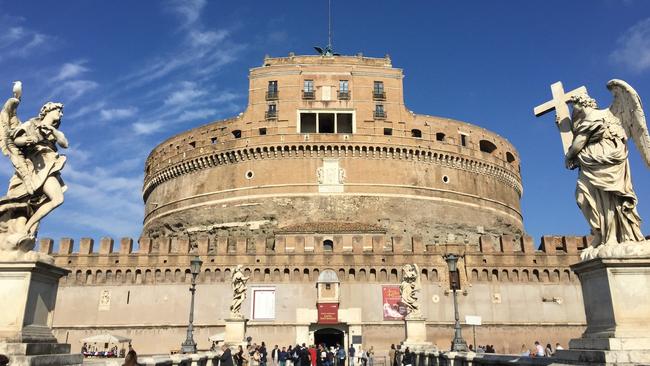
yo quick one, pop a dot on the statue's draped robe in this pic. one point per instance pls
(239, 292)
(604, 191)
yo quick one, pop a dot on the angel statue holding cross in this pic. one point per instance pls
(598, 149)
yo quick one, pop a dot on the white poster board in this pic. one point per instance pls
(472, 320)
(263, 304)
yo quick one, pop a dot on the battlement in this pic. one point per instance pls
(300, 257)
(297, 243)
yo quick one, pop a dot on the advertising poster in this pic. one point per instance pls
(394, 309)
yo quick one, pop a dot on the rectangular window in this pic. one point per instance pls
(308, 90)
(262, 131)
(344, 122)
(272, 90)
(308, 86)
(379, 111)
(307, 122)
(326, 122)
(263, 303)
(271, 112)
(388, 131)
(378, 90)
(378, 87)
(344, 92)
(463, 140)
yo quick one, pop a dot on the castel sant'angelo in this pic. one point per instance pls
(322, 189)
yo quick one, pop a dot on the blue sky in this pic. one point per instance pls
(134, 73)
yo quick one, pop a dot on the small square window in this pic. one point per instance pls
(388, 131)
(262, 131)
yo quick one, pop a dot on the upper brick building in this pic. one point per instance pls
(329, 138)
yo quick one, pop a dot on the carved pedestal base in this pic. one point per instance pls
(26, 316)
(416, 335)
(615, 293)
(235, 332)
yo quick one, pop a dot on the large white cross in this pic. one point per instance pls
(559, 104)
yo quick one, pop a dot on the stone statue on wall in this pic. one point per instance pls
(599, 150)
(239, 287)
(36, 187)
(410, 289)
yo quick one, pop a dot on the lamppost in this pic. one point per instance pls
(458, 344)
(189, 346)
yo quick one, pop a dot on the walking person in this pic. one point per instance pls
(391, 355)
(226, 357)
(351, 355)
(275, 355)
(239, 356)
(340, 355)
(407, 359)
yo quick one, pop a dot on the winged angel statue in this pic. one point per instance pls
(36, 188)
(604, 190)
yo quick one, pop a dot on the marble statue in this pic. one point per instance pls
(598, 149)
(409, 290)
(36, 187)
(239, 287)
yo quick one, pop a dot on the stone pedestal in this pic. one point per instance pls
(26, 313)
(235, 332)
(616, 293)
(416, 335)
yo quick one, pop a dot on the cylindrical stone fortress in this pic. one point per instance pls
(328, 139)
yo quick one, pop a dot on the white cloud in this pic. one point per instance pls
(196, 114)
(186, 95)
(71, 70)
(86, 109)
(73, 89)
(18, 41)
(202, 38)
(188, 10)
(147, 128)
(117, 113)
(633, 47)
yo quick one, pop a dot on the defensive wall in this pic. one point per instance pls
(521, 293)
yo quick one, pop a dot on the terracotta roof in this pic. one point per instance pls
(331, 227)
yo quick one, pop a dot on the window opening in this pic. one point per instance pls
(463, 140)
(326, 122)
(236, 134)
(416, 133)
(262, 131)
(378, 90)
(388, 131)
(379, 111)
(328, 245)
(487, 146)
(272, 90)
(440, 136)
(308, 89)
(308, 122)
(344, 122)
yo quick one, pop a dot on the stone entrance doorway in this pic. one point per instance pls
(329, 336)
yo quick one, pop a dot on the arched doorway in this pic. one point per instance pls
(329, 336)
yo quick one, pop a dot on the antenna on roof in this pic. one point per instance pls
(329, 50)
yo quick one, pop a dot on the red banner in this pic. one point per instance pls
(328, 313)
(394, 309)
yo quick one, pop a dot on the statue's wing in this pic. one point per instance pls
(628, 108)
(6, 114)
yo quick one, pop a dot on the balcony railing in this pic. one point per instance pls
(271, 114)
(308, 94)
(271, 95)
(380, 115)
(344, 94)
(379, 95)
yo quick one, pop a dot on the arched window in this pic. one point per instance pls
(509, 157)
(487, 146)
(416, 133)
(328, 245)
(440, 136)
(236, 134)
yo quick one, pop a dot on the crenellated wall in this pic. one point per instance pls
(300, 257)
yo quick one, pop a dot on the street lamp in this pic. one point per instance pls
(189, 346)
(458, 343)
